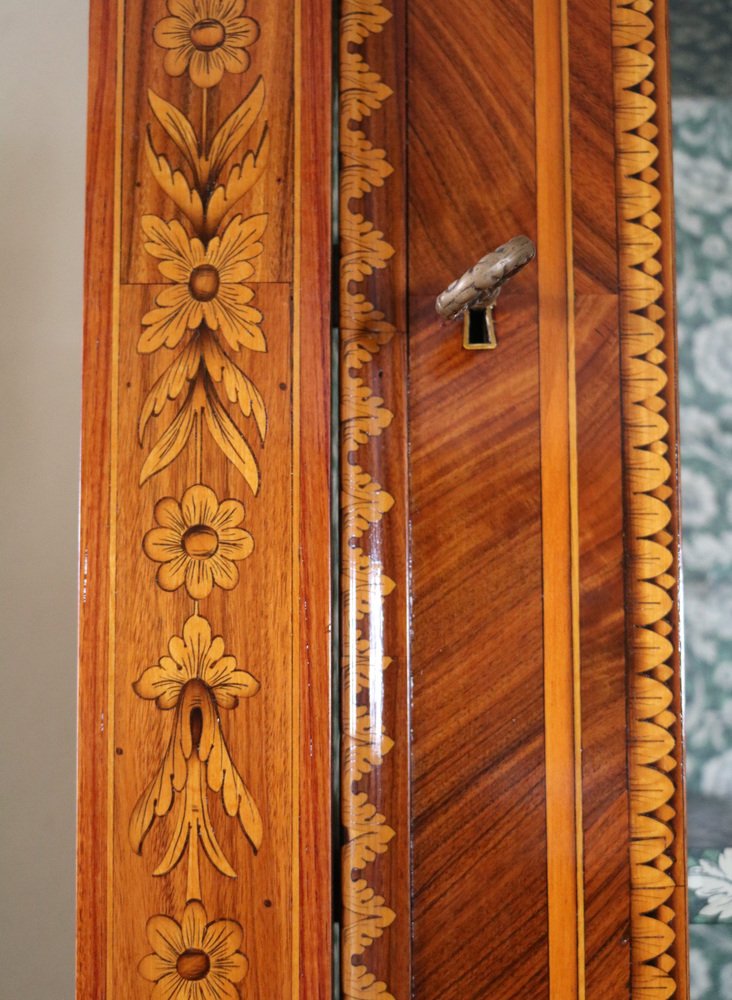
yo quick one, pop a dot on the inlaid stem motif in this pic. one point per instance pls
(204, 319)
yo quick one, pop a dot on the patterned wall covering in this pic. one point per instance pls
(702, 110)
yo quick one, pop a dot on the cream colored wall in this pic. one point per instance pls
(42, 149)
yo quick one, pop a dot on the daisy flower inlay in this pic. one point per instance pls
(193, 959)
(208, 283)
(206, 37)
(198, 541)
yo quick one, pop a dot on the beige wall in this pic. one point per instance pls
(42, 138)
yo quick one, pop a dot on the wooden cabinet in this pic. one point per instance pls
(505, 685)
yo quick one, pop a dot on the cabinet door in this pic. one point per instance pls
(512, 785)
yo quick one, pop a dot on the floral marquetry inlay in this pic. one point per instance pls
(206, 38)
(198, 542)
(196, 680)
(207, 284)
(206, 313)
(193, 959)
(202, 321)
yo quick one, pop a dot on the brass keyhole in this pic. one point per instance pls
(479, 330)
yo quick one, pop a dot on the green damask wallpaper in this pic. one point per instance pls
(701, 36)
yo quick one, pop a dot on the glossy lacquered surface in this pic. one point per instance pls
(546, 793)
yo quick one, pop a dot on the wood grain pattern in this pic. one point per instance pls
(477, 714)
(195, 564)
(311, 559)
(93, 739)
(508, 518)
(478, 746)
(600, 506)
(599, 894)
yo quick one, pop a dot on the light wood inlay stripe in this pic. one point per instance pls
(295, 524)
(113, 499)
(559, 508)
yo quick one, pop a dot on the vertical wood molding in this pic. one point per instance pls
(372, 655)
(559, 505)
(92, 848)
(657, 856)
(311, 557)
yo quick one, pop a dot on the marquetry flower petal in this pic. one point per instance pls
(161, 683)
(229, 684)
(194, 960)
(206, 37)
(196, 655)
(208, 283)
(198, 542)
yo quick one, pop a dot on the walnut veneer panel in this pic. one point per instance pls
(478, 791)
(547, 794)
(204, 763)
(606, 830)
(477, 714)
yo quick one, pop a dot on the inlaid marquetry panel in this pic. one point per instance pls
(210, 822)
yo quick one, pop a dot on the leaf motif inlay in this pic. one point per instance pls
(649, 485)
(364, 502)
